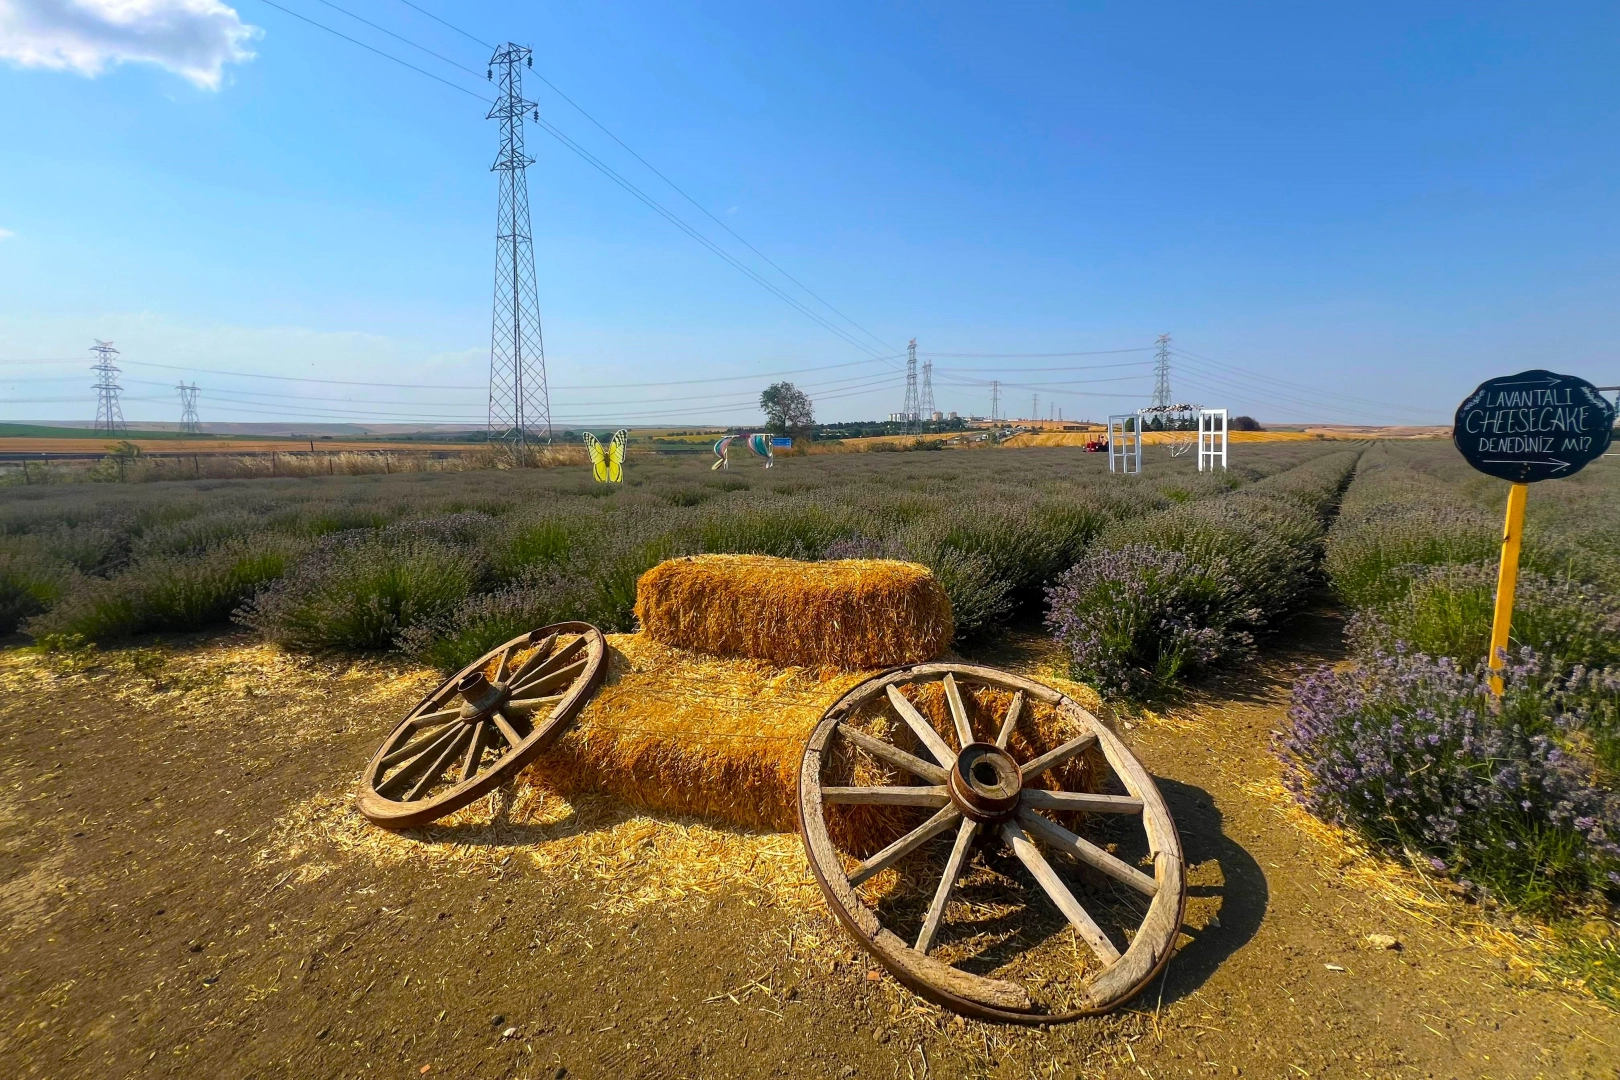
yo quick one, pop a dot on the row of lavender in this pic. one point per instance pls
(444, 566)
(1158, 597)
(1515, 798)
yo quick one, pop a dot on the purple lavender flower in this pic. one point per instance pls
(1416, 753)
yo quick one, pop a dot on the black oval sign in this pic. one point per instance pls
(1536, 425)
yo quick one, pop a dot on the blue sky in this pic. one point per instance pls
(1345, 214)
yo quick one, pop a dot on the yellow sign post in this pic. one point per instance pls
(1507, 580)
(1536, 425)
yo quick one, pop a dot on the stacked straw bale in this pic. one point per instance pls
(851, 614)
(687, 733)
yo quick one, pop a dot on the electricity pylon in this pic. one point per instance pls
(1161, 386)
(189, 424)
(109, 413)
(995, 400)
(927, 407)
(912, 409)
(519, 400)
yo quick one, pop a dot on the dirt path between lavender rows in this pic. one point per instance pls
(158, 923)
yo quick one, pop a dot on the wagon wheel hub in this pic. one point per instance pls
(985, 782)
(984, 944)
(480, 697)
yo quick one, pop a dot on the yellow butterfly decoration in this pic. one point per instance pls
(607, 462)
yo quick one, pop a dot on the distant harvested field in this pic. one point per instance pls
(1158, 438)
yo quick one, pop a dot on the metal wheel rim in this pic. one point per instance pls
(935, 980)
(570, 680)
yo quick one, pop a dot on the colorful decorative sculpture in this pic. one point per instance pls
(758, 445)
(607, 462)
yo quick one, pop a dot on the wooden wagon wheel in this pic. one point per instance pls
(991, 803)
(483, 725)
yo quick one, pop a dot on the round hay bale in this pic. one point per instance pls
(844, 613)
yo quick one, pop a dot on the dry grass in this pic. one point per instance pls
(851, 613)
(633, 860)
(1534, 952)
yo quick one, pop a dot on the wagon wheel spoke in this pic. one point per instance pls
(892, 755)
(414, 766)
(541, 682)
(959, 716)
(1083, 801)
(908, 843)
(1088, 853)
(1030, 770)
(937, 795)
(1058, 892)
(415, 746)
(524, 706)
(953, 869)
(508, 730)
(549, 671)
(500, 669)
(534, 659)
(475, 751)
(1011, 722)
(435, 771)
(921, 727)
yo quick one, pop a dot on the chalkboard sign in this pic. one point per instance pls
(1536, 425)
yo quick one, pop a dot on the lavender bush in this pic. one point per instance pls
(1160, 596)
(1447, 611)
(1414, 753)
(1136, 618)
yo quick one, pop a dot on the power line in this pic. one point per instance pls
(436, 386)
(605, 170)
(379, 52)
(650, 167)
(714, 248)
(457, 29)
(1285, 382)
(1029, 355)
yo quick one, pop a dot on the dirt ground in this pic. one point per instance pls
(171, 911)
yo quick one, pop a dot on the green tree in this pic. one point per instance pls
(787, 409)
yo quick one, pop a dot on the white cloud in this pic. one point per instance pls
(6, 234)
(192, 38)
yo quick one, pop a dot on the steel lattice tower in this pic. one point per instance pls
(912, 408)
(995, 399)
(519, 400)
(109, 414)
(1161, 385)
(927, 403)
(189, 424)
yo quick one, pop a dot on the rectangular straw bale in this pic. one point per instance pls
(846, 613)
(688, 733)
